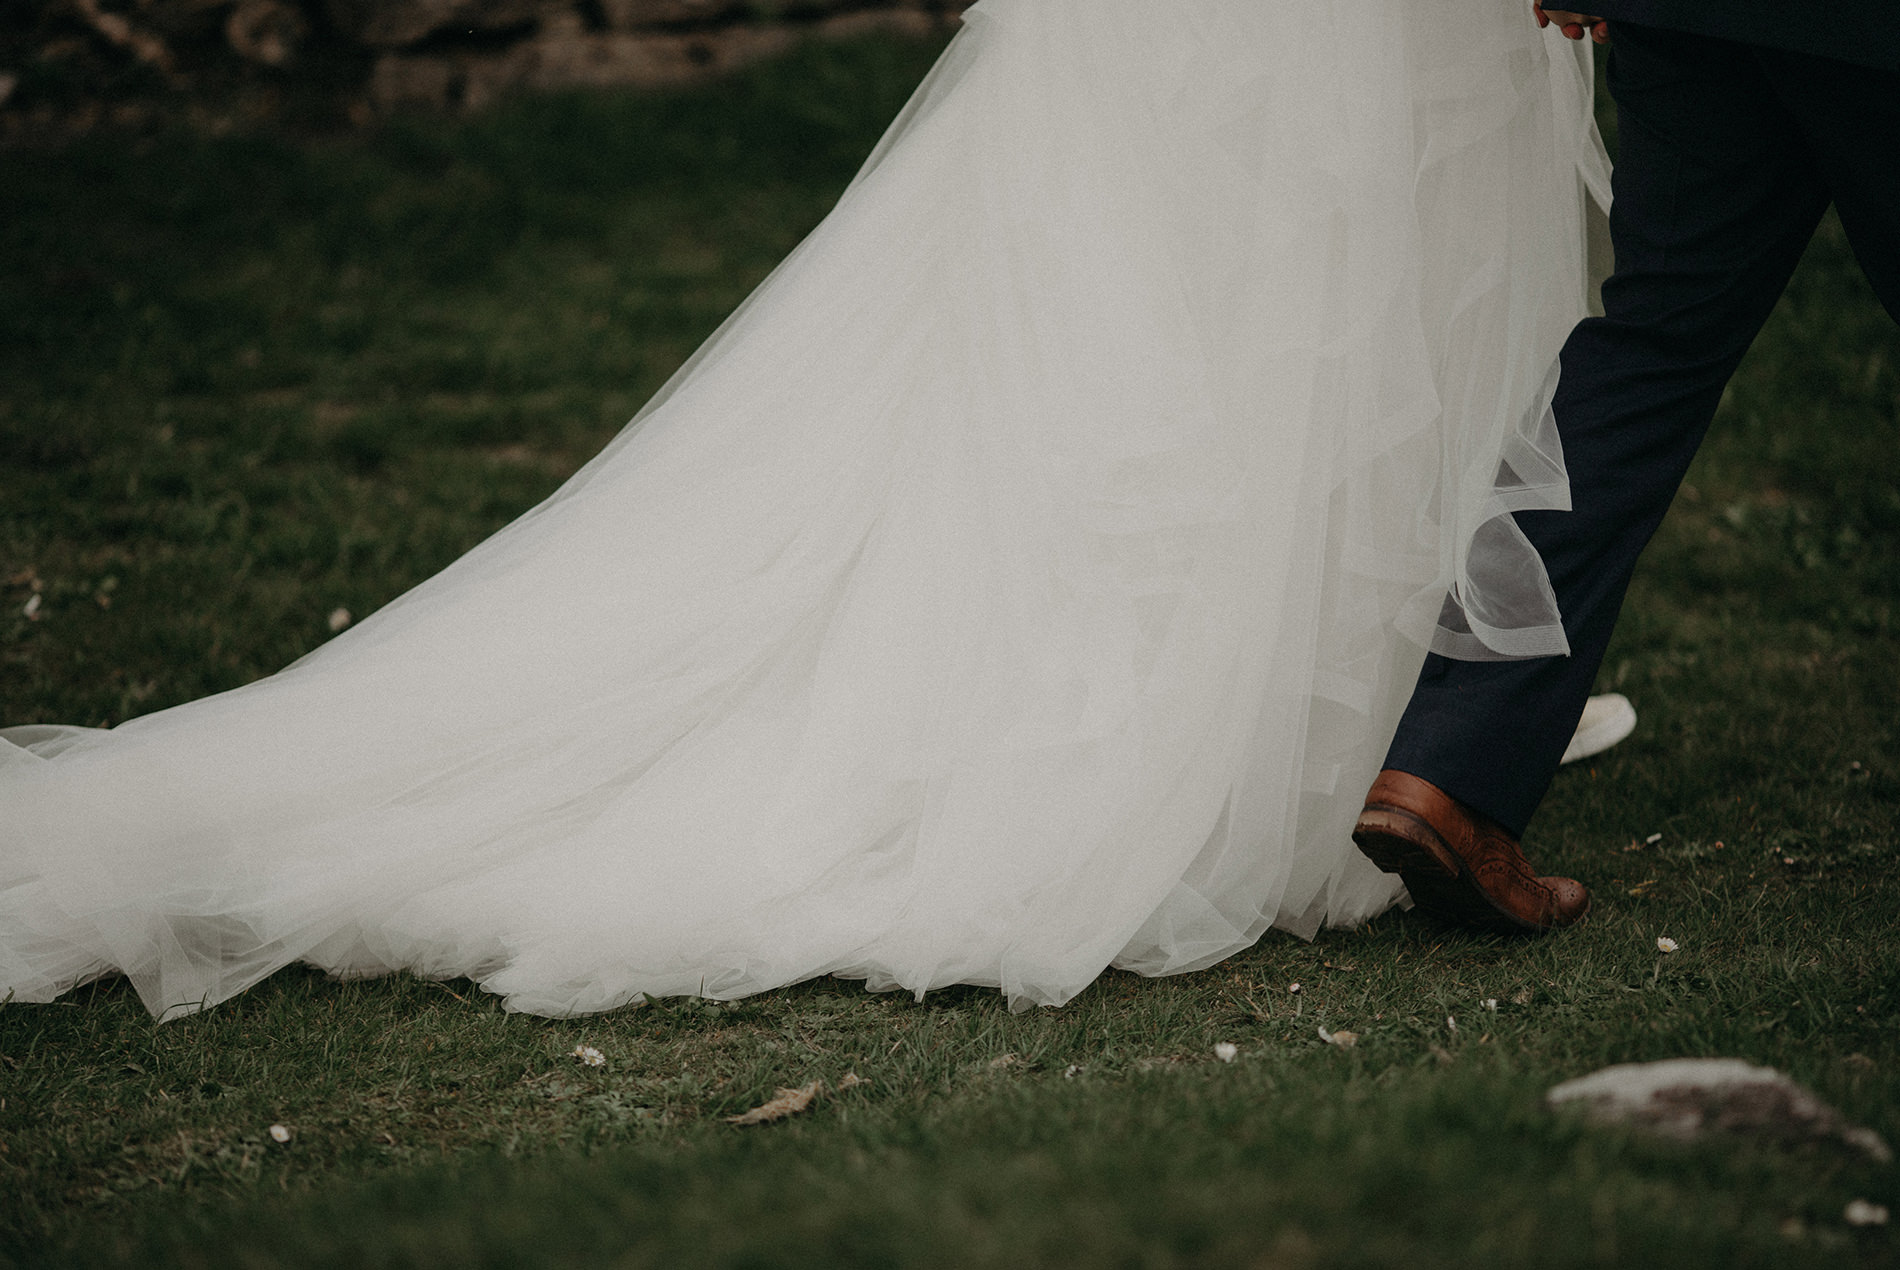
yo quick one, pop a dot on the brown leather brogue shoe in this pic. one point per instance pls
(1457, 864)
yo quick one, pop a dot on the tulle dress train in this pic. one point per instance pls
(1025, 580)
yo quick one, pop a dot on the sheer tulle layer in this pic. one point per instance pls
(1025, 580)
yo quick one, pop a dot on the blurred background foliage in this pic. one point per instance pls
(68, 66)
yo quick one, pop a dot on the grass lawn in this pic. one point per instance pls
(246, 382)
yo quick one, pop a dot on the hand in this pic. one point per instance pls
(1573, 24)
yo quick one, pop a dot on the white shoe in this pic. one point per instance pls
(1606, 720)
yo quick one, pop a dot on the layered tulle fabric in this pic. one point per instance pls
(1026, 580)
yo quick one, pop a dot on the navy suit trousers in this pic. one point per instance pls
(1729, 154)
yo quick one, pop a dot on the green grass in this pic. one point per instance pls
(246, 381)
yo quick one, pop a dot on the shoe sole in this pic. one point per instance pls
(1435, 876)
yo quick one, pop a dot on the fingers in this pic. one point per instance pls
(1572, 24)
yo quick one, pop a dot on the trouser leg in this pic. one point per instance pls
(1716, 195)
(1850, 121)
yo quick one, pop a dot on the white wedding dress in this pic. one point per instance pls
(1025, 580)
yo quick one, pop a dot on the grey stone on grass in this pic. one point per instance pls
(1690, 1098)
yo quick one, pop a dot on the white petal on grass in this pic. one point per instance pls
(1653, 839)
(1490, 1003)
(1861, 1213)
(1664, 944)
(1226, 1051)
(1451, 1024)
(31, 610)
(590, 1056)
(1343, 1039)
(279, 1134)
(1293, 988)
(339, 618)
